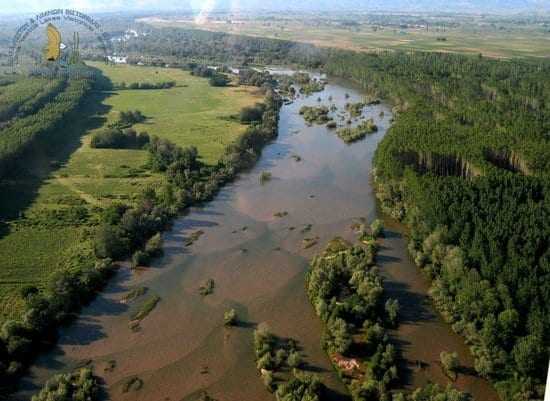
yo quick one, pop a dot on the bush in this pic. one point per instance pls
(252, 113)
(265, 362)
(113, 213)
(392, 311)
(337, 336)
(377, 228)
(80, 385)
(27, 291)
(265, 176)
(450, 362)
(318, 115)
(140, 258)
(153, 247)
(230, 318)
(300, 387)
(267, 378)
(147, 85)
(280, 357)
(114, 138)
(219, 80)
(164, 154)
(294, 359)
(131, 117)
(111, 242)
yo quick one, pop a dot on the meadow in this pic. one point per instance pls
(47, 215)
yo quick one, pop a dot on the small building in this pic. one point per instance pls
(118, 59)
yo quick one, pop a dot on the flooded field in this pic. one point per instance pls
(251, 242)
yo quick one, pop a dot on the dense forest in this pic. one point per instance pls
(176, 46)
(466, 164)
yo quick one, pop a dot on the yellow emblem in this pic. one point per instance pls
(53, 49)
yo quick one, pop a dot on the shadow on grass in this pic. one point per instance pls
(49, 153)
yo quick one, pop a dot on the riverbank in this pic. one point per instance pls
(252, 247)
(115, 227)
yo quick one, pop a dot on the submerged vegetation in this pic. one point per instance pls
(80, 385)
(134, 294)
(279, 361)
(146, 308)
(230, 318)
(349, 135)
(265, 177)
(207, 288)
(347, 293)
(315, 115)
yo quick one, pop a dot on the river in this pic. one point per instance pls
(319, 187)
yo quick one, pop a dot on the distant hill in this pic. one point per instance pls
(397, 5)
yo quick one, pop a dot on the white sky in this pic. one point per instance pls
(33, 6)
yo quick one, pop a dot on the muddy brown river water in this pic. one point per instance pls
(257, 262)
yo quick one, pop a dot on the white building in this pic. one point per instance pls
(118, 59)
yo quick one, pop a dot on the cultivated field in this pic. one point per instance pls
(524, 42)
(51, 210)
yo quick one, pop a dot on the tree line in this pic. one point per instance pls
(466, 165)
(42, 119)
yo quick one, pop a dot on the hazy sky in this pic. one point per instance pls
(33, 6)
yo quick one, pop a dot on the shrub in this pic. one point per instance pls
(267, 378)
(113, 213)
(164, 154)
(252, 113)
(280, 357)
(318, 115)
(230, 318)
(300, 387)
(140, 258)
(219, 80)
(450, 362)
(27, 291)
(377, 228)
(265, 176)
(294, 359)
(207, 288)
(153, 247)
(337, 336)
(115, 138)
(146, 308)
(111, 242)
(265, 362)
(80, 385)
(392, 311)
(131, 117)
(147, 85)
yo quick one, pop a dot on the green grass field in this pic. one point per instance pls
(33, 244)
(520, 42)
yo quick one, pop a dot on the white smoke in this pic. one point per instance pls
(206, 9)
